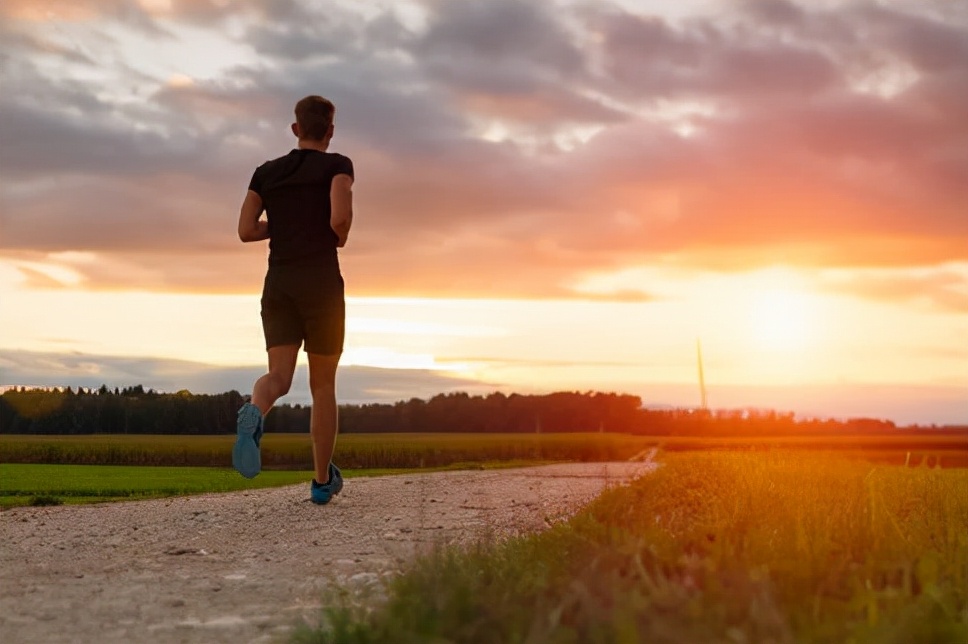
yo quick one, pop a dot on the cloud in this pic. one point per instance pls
(944, 289)
(80, 11)
(355, 384)
(644, 57)
(502, 148)
(509, 60)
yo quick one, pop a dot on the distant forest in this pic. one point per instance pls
(134, 410)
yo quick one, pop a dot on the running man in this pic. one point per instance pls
(307, 197)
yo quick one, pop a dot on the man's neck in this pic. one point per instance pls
(309, 144)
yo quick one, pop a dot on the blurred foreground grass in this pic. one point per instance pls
(713, 547)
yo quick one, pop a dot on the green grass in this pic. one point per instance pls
(89, 483)
(713, 547)
(33, 484)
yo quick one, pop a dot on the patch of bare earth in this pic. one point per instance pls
(249, 566)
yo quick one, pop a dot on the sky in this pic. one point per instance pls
(550, 195)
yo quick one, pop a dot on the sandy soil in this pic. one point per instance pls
(249, 566)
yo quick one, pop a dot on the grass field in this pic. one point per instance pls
(713, 547)
(53, 484)
(40, 484)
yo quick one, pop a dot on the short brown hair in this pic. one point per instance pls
(314, 114)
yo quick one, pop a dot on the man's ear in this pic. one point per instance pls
(332, 128)
(295, 129)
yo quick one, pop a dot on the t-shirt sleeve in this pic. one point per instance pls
(343, 166)
(255, 184)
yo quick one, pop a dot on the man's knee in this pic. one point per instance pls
(322, 385)
(281, 382)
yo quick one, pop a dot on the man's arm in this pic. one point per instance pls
(341, 207)
(251, 228)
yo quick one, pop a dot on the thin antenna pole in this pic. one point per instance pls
(702, 380)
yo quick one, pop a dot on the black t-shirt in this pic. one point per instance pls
(295, 193)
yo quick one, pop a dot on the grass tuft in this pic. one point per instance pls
(749, 547)
(45, 499)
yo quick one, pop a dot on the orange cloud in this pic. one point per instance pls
(943, 289)
(66, 10)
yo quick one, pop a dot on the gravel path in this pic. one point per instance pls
(248, 566)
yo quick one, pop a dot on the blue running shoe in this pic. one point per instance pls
(245, 455)
(320, 493)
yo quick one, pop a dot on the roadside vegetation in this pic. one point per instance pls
(713, 547)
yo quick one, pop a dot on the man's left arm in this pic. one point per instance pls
(251, 228)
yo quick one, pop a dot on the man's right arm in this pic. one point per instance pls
(341, 207)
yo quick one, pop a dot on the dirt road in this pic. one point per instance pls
(249, 566)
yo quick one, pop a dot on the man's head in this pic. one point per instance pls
(314, 119)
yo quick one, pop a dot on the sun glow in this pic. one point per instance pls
(781, 320)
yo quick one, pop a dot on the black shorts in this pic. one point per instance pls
(304, 304)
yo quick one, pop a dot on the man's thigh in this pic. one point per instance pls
(325, 329)
(322, 307)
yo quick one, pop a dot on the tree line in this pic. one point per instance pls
(135, 410)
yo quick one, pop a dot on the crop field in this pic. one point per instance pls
(292, 451)
(713, 547)
(909, 448)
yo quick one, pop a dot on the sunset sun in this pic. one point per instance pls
(781, 320)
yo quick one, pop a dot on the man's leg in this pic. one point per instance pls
(246, 457)
(323, 423)
(276, 383)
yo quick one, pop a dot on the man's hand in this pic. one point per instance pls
(251, 228)
(341, 207)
